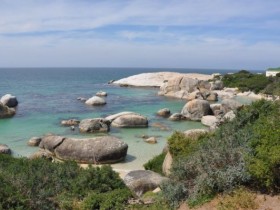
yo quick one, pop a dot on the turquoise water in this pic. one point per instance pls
(47, 96)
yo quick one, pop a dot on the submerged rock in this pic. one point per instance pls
(9, 100)
(141, 181)
(70, 122)
(196, 109)
(98, 150)
(151, 140)
(94, 125)
(177, 117)
(96, 101)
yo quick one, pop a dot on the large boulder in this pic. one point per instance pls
(94, 125)
(95, 101)
(4, 149)
(141, 181)
(128, 120)
(217, 85)
(196, 109)
(99, 150)
(229, 105)
(6, 112)
(210, 120)
(9, 100)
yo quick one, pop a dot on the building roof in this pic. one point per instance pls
(273, 69)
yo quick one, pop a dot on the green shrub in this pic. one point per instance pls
(40, 184)
(155, 164)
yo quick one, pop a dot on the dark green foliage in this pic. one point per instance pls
(155, 164)
(264, 160)
(40, 184)
(273, 88)
(240, 152)
(182, 146)
(115, 199)
(246, 81)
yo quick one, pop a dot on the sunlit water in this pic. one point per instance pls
(47, 96)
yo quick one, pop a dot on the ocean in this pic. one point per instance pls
(48, 95)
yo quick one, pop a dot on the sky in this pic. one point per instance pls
(222, 34)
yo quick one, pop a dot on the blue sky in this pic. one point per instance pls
(239, 34)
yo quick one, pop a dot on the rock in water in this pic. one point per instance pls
(128, 120)
(94, 125)
(4, 149)
(196, 109)
(96, 101)
(70, 122)
(6, 112)
(151, 140)
(177, 117)
(34, 141)
(164, 112)
(141, 181)
(101, 93)
(9, 100)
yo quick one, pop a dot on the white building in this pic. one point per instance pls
(272, 72)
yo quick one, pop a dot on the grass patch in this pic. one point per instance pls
(155, 164)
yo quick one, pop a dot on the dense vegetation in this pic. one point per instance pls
(155, 164)
(242, 152)
(40, 184)
(245, 81)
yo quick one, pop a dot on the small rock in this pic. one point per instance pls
(151, 140)
(82, 99)
(94, 125)
(229, 116)
(177, 117)
(34, 141)
(101, 93)
(164, 112)
(157, 190)
(111, 81)
(6, 112)
(95, 101)
(4, 149)
(70, 122)
(195, 133)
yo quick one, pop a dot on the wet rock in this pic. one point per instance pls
(6, 112)
(164, 112)
(70, 122)
(94, 125)
(160, 126)
(101, 94)
(82, 99)
(177, 117)
(128, 120)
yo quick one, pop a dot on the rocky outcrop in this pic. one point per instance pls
(9, 100)
(96, 101)
(70, 122)
(94, 125)
(196, 109)
(167, 164)
(229, 116)
(99, 150)
(195, 133)
(34, 141)
(216, 109)
(210, 120)
(164, 112)
(128, 120)
(141, 181)
(229, 105)
(4, 149)
(101, 94)
(6, 112)
(216, 85)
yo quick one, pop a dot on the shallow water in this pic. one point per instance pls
(47, 96)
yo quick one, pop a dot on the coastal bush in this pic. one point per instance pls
(40, 184)
(246, 81)
(220, 162)
(264, 160)
(155, 164)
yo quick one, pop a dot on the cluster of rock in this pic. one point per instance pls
(97, 100)
(8, 103)
(98, 150)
